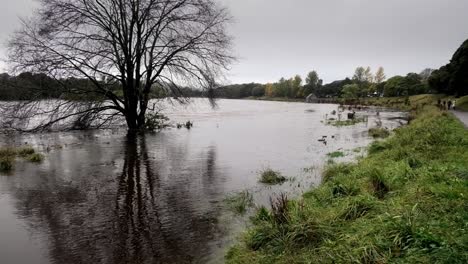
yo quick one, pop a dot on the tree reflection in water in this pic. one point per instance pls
(162, 208)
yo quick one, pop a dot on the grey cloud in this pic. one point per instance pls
(275, 38)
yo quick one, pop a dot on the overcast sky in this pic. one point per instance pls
(276, 38)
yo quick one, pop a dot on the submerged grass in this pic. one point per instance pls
(336, 154)
(348, 122)
(239, 202)
(8, 156)
(34, 157)
(6, 164)
(269, 176)
(406, 202)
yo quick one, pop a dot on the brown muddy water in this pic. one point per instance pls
(100, 197)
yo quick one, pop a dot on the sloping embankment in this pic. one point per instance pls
(406, 202)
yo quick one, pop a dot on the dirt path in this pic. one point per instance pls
(463, 116)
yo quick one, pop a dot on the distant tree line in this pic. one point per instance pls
(449, 79)
(364, 83)
(453, 77)
(31, 86)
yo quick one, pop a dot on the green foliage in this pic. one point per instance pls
(35, 157)
(411, 84)
(462, 103)
(269, 176)
(8, 156)
(350, 91)
(452, 78)
(348, 122)
(333, 89)
(6, 163)
(379, 132)
(312, 85)
(7, 152)
(336, 154)
(25, 151)
(239, 202)
(404, 203)
(338, 169)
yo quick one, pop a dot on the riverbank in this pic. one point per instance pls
(401, 103)
(276, 99)
(405, 202)
(414, 102)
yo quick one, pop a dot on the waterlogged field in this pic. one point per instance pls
(178, 196)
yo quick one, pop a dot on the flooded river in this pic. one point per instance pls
(101, 197)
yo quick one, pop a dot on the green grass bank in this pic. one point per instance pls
(406, 202)
(414, 102)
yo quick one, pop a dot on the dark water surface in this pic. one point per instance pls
(101, 197)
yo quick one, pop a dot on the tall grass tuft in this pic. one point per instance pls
(269, 176)
(279, 209)
(239, 202)
(336, 154)
(6, 164)
(35, 157)
(379, 187)
(25, 151)
(378, 132)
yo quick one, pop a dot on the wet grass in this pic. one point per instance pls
(403, 203)
(336, 154)
(348, 122)
(35, 157)
(239, 202)
(6, 164)
(25, 151)
(378, 132)
(8, 157)
(271, 177)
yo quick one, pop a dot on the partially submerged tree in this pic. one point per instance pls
(124, 48)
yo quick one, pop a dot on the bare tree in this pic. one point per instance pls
(124, 48)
